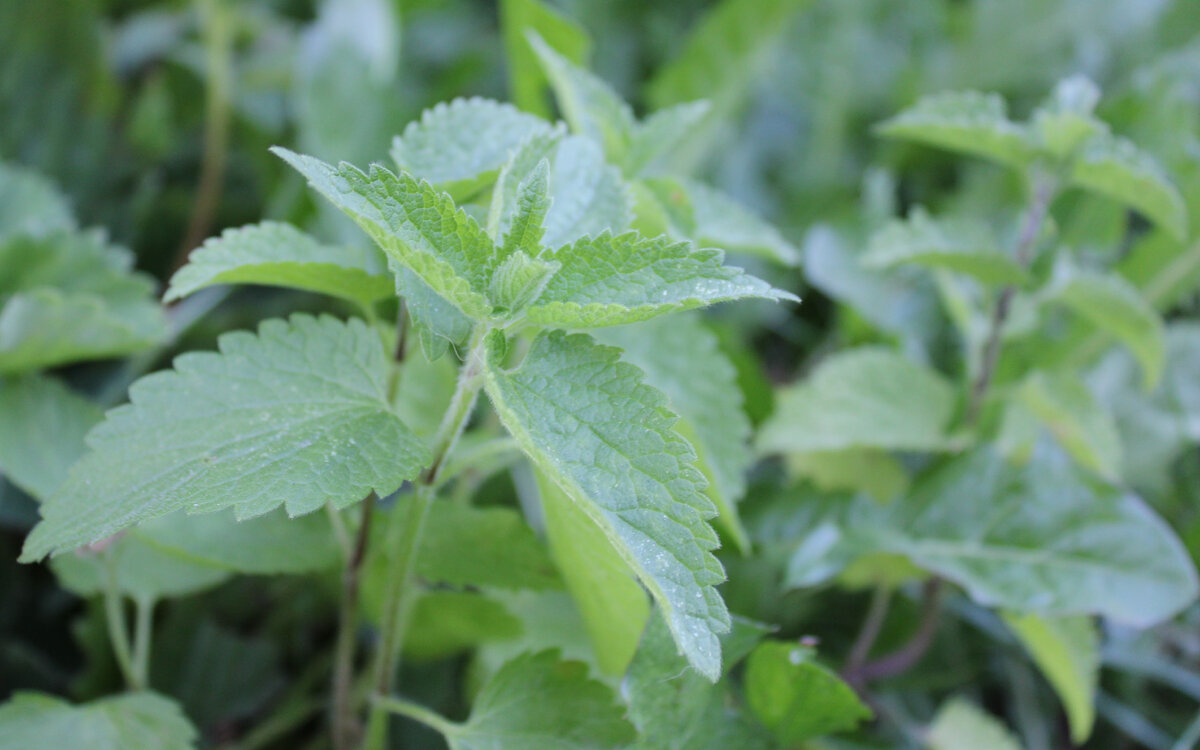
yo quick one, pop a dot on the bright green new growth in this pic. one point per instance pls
(295, 416)
(606, 440)
(798, 698)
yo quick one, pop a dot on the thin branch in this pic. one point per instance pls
(143, 637)
(345, 728)
(905, 657)
(118, 629)
(877, 611)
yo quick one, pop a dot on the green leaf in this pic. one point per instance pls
(659, 138)
(271, 544)
(536, 700)
(1114, 306)
(870, 470)
(295, 416)
(610, 280)
(1041, 538)
(589, 423)
(674, 708)
(1067, 650)
(418, 227)
(518, 281)
(710, 218)
(959, 247)
(445, 623)
(863, 398)
(968, 122)
(1082, 426)
(30, 204)
(1113, 166)
(588, 104)
(797, 698)
(614, 607)
(524, 232)
(146, 721)
(42, 424)
(468, 546)
(722, 60)
(587, 195)
(69, 297)
(461, 146)
(277, 254)
(439, 324)
(143, 573)
(670, 351)
(960, 725)
(1065, 121)
(526, 79)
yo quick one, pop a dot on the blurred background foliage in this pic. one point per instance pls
(155, 118)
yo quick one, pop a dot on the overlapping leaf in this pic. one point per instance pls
(798, 698)
(143, 720)
(277, 254)
(965, 121)
(30, 205)
(960, 724)
(295, 416)
(42, 424)
(460, 146)
(1113, 166)
(1067, 651)
(606, 439)
(954, 246)
(610, 280)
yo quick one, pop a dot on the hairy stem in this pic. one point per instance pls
(118, 631)
(1035, 216)
(217, 29)
(401, 589)
(345, 728)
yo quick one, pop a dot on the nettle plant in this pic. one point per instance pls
(508, 240)
(1020, 494)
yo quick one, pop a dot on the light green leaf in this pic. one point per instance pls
(1041, 538)
(870, 470)
(968, 122)
(797, 698)
(587, 195)
(277, 254)
(723, 59)
(146, 721)
(445, 623)
(959, 725)
(710, 218)
(271, 544)
(1081, 425)
(42, 424)
(518, 281)
(1113, 166)
(959, 247)
(671, 351)
(1065, 121)
(295, 416)
(424, 388)
(589, 423)
(1114, 306)
(613, 605)
(439, 324)
(588, 104)
(30, 204)
(565, 36)
(610, 280)
(658, 139)
(143, 573)
(524, 232)
(460, 146)
(1067, 650)
(536, 700)
(69, 297)
(418, 227)
(674, 708)
(863, 398)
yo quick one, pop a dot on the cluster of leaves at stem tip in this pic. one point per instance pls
(558, 262)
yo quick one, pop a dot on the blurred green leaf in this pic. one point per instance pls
(798, 698)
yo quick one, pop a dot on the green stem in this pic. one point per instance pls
(118, 632)
(418, 713)
(142, 640)
(401, 590)
(344, 727)
(217, 30)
